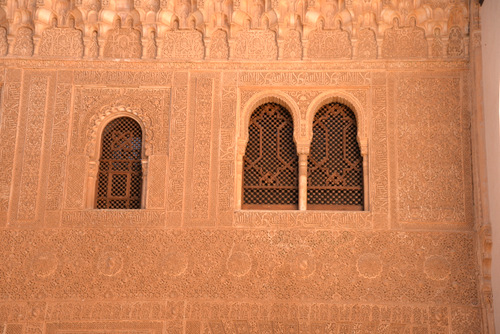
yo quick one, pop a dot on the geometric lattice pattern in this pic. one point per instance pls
(335, 165)
(270, 171)
(120, 169)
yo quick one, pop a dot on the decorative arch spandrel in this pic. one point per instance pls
(258, 99)
(107, 114)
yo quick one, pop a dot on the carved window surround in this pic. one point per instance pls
(302, 134)
(94, 151)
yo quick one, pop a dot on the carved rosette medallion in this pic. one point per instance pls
(110, 263)
(437, 268)
(369, 265)
(44, 264)
(173, 262)
(239, 263)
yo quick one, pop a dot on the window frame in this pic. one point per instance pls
(302, 135)
(95, 151)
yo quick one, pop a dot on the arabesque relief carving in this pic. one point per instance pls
(327, 44)
(61, 42)
(253, 44)
(194, 185)
(444, 200)
(123, 42)
(404, 42)
(183, 44)
(23, 44)
(219, 48)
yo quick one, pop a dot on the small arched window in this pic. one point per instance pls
(270, 166)
(119, 181)
(335, 164)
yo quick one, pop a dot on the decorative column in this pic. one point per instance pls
(144, 163)
(303, 152)
(363, 146)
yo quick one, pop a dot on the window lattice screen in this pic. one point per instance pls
(335, 165)
(120, 170)
(270, 171)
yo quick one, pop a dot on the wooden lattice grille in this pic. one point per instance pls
(120, 170)
(270, 171)
(335, 165)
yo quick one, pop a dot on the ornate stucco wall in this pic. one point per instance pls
(191, 261)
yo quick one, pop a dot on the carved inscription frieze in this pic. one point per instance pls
(123, 78)
(293, 78)
(234, 317)
(113, 218)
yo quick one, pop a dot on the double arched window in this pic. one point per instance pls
(334, 165)
(119, 179)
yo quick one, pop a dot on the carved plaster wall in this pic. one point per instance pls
(419, 179)
(190, 261)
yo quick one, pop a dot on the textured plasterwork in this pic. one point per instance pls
(189, 262)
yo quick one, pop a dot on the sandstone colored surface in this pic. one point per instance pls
(190, 260)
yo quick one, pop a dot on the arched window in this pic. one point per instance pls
(119, 181)
(270, 167)
(335, 165)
